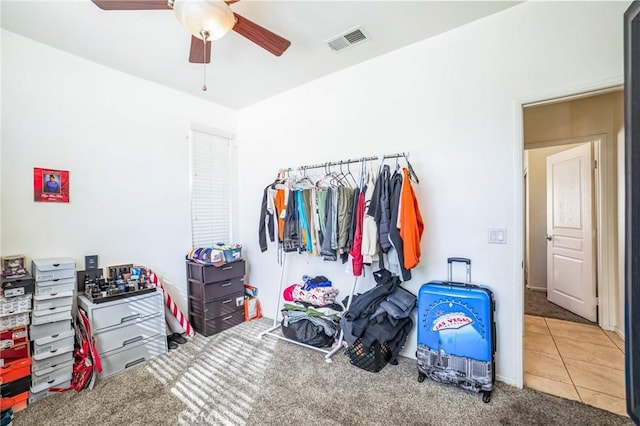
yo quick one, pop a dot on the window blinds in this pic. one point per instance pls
(210, 189)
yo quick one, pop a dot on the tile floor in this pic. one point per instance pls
(575, 361)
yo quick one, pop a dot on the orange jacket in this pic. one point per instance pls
(410, 223)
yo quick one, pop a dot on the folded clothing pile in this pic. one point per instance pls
(312, 319)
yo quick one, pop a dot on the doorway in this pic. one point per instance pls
(565, 354)
(555, 256)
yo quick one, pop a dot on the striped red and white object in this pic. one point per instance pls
(172, 305)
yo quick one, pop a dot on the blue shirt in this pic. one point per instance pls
(51, 187)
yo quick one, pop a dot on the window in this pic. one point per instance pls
(211, 180)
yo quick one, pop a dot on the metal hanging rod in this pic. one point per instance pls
(349, 161)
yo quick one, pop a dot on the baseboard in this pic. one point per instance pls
(536, 288)
(508, 381)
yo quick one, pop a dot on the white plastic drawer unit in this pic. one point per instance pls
(37, 396)
(51, 360)
(50, 375)
(51, 315)
(125, 313)
(43, 302)
(54, 343)
(49, 329)
(63, 375)
(54, 268)
(55, 287)
(122, 359)
(126, 335)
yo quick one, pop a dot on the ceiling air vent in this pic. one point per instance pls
(347, 39)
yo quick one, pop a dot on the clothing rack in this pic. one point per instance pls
(272, 330)
(329, 164)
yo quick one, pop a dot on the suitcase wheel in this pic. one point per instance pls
(486, 396)
(421, 377)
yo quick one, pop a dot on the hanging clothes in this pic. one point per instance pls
(356, 250)
(345, 207)
(266, 221)
(396, 253)
(303, 220)
(411, 225)
(291, 226)
(328, 248)
(369, 227)
(379, 207)
(280, 201)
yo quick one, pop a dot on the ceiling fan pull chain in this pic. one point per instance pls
(205, 36)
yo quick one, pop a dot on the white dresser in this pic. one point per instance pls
(127, 331)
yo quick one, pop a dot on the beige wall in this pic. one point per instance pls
(564, 121)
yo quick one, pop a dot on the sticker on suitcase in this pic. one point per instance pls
(452, 326)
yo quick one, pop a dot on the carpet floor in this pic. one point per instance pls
(536, 303)
(234, 378)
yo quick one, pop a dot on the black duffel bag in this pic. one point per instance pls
(305, 331)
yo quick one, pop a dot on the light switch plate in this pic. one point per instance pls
(497, 236)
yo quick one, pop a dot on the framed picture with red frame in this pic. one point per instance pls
(50, 186)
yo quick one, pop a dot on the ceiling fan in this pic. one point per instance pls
(206, 20)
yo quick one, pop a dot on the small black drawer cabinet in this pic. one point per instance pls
(216, 296)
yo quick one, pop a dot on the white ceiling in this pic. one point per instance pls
(153, 45)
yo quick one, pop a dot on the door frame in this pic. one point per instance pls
(605, 270)
(518, 105)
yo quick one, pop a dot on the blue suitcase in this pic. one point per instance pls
(457, 333)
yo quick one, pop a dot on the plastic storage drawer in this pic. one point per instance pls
(131, 309)
(43, 302)
(216, 308)
(51, 375)
(54, 343)
(47, 360)
(208, 273)
(48, 329)
(213, 291)
(216, 325)
(53, 268)
(55, 287)
(52, 315)
(121, 359)
(123, 336)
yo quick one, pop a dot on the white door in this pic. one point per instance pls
(571, 280)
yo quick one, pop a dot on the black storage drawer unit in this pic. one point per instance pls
(213, 291)
(216, 325)
(216, 296)
(215, 308)
(209, 273)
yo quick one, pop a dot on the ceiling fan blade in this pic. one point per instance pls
(131, 4)
(230, 2)
(261, 36)
(198, 51)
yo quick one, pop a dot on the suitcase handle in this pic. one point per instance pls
(452, 260)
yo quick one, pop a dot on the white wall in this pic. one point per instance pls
(123, 141)
(537, 213)
(453, 102)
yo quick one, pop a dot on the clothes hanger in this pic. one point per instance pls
(412, 173)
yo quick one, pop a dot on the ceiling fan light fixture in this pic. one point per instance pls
(211, 17)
